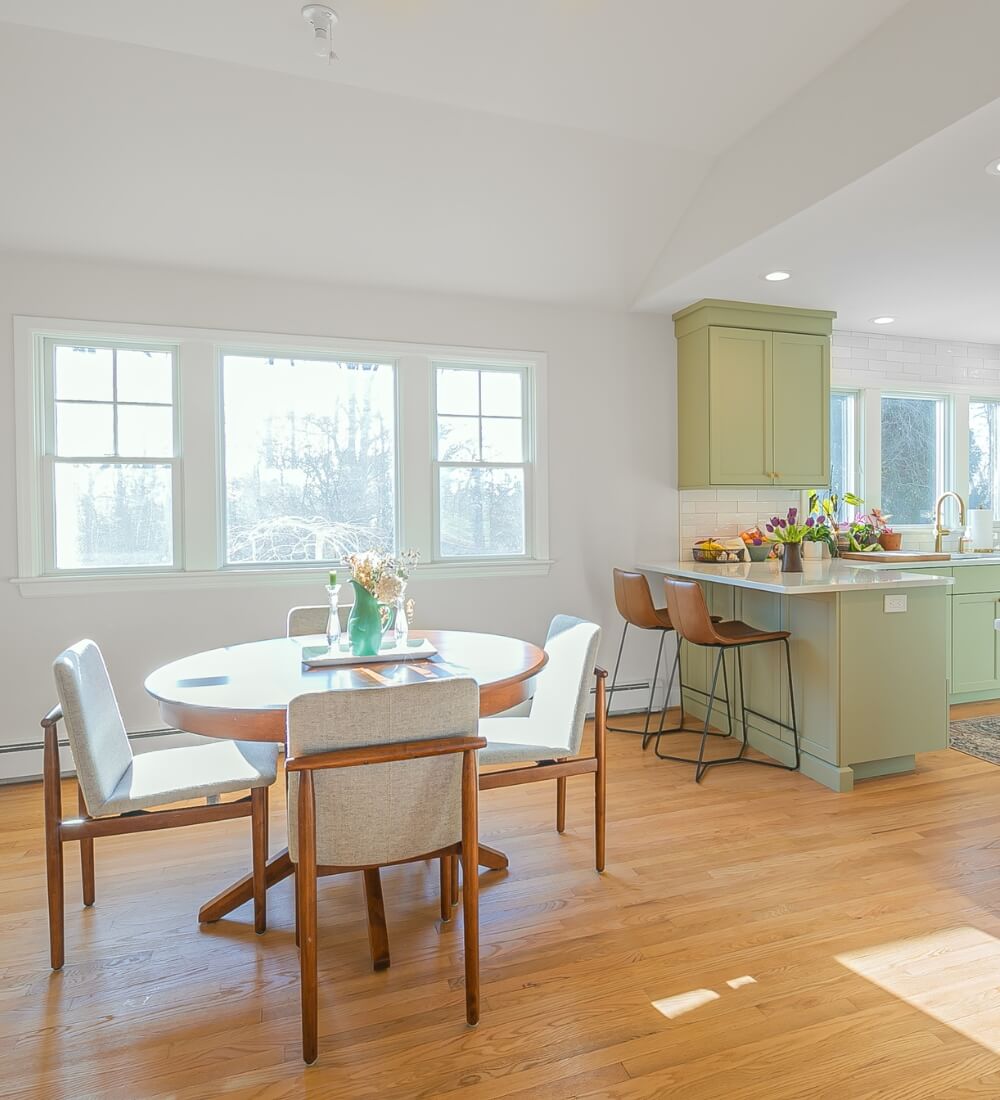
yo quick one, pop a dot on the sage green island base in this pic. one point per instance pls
(871, 684)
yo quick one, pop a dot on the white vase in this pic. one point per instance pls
(812, 551)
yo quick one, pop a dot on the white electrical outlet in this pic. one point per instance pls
(892, 604)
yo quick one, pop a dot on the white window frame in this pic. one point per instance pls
(528, 436)
(199, 550)
(45, 350)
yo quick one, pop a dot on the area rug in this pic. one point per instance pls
(977, 737)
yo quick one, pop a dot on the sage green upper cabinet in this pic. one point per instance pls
(753, 395)
(800, 390)
(739, 401)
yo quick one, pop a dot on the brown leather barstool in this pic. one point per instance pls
(635, 605)
(690, 618)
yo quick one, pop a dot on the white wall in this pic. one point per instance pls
(611, 390)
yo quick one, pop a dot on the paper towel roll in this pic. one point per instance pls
(981, 528)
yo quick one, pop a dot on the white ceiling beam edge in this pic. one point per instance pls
(924, 69)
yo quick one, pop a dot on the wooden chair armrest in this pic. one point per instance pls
(383, 754)
(54, 716)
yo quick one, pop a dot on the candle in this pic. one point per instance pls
(333, 577)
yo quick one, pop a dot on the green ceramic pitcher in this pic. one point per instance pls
(364, 624)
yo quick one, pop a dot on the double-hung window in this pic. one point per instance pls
(481, 465)
(110, 467)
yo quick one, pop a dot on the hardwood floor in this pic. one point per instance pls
(758, 936)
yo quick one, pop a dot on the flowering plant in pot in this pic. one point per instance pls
(887, 538)
(830, 508)
(862, 534)
(819, 533)
(789, 533)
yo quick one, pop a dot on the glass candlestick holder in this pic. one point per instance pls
(333, 616)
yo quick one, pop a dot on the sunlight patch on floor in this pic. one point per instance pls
(952, 975)
(675, 1006)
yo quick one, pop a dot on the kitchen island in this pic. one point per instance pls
(869, 661)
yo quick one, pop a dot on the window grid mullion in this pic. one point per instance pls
(114, 397)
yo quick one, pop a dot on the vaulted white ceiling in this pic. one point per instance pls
(608, 152)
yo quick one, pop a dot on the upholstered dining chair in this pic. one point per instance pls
(115, 790)
(376, 778)
(546, 742)
(311, 620)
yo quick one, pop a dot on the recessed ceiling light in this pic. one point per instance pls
(883, 320)
(777, 276)
(993, 168)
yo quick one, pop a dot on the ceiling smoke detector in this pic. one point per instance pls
(321, 19)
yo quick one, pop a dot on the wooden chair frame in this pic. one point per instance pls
(84, 828)
(307, 871)
(560, 771)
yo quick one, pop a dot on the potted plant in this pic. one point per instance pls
(788, 533)
(819, 533)
(862, 534)
(887, 538)
(830, 507)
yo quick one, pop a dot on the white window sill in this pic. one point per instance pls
(100, 583)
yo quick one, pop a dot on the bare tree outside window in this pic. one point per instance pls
(984, 456)
(113, 455)
(480, 458)
(310, 456)
(912, 446)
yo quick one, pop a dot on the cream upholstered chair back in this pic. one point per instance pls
(562, 689)
(309, 620)
(380, 813)
(97, 738)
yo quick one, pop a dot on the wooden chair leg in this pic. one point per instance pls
(258, 839)
(601, 775)
(470, 892)
(305, 884)
(378, 934)
(86, 855)
(298, 942)
(446, 862)
(52, 796)
(454, 880)
(561, 805)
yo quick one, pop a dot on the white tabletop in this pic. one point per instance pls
(816, 577)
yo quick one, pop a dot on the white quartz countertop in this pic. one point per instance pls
(815, 578)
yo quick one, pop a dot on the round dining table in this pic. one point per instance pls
(243, 691)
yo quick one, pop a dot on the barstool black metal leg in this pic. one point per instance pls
(701, 767)
(652, 689)
(791, 700)
(618, 661)
(743, 700)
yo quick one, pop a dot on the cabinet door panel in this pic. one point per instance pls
(974, 664)
(801, 399)
(740, 406)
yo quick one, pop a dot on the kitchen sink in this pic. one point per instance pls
(993, 556)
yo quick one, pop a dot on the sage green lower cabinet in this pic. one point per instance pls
(975, 645)
(871, 687)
